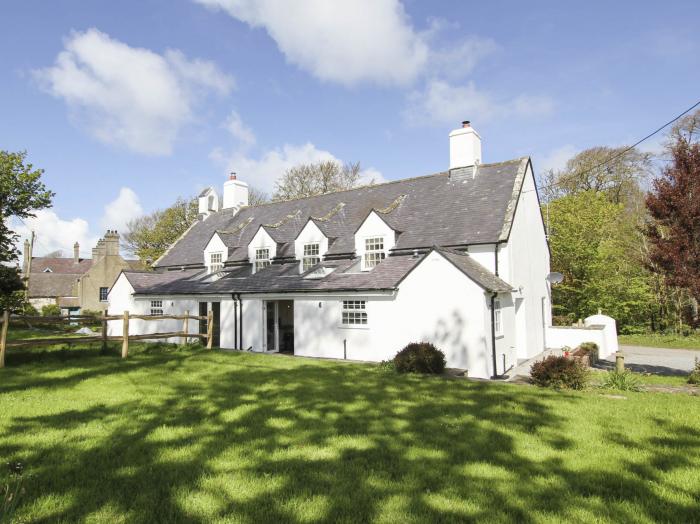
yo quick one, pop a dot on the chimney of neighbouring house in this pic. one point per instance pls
(465, 146)
(111, 240)
(27, 257)
(235, 193)
(76, 253)
(99, 250)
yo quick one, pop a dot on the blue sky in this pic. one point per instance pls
(128, 105)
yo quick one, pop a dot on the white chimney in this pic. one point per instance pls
(465, 146)
(208, 202)
(235, 193)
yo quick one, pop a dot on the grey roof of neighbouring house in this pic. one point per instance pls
(52, 284)
(431, 210)
(285, 278)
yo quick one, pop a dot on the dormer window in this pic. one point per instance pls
(312, 255)
(374, 252)
(216, 262)
(48, 270)
(262, 258)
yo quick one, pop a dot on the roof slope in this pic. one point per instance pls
(61, 265)
(478, 273)
(430, 210)
(52, 284)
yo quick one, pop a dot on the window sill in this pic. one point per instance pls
(358, 326)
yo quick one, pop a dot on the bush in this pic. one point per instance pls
(50, 310)
(420, 357)
(622, 380)
(694, 377)
(386, 366)
(590, 349)
(559, 373)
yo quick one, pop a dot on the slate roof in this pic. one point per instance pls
(60, 265)
(285, 278)
(438, 209)
(51, 284)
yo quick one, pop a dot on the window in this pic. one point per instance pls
(262, 258)
(354, 312)
(215, 262)
(156, 307)
(497, 321)
(103, 294)
(374, 251)
(311, 256)
(48, 270)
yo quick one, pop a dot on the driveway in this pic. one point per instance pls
(658, 361)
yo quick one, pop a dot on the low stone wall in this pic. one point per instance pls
(600, 329)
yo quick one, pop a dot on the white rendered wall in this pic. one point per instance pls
(436, 303)
(526, 259)
(484, 255)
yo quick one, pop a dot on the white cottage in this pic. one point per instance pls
(457, 258)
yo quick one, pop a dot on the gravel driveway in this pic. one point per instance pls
(659, 361)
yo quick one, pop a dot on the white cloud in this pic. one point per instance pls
(556, 159)
(54, 233)
(128, 96)
(241, 132)
(121, 210)
(443, 103)
(343, 42)
(263, 171)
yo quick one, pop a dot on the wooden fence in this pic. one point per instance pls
(102, 337)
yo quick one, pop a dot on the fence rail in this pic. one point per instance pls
(103, 337)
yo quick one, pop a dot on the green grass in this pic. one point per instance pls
(658, 340)
(207, 436)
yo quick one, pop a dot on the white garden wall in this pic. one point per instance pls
(600, 329)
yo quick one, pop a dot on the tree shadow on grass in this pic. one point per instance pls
(201, 437)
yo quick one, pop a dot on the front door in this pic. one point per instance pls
(216, 314)
(271, 332)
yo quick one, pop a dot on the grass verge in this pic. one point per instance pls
(658, 340)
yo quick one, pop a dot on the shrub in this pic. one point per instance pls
(694, 377)
(420, 357)
(386, 366)
(622, 380)
(91, 313)
(560, 373)
(590, 349)
(50, 310)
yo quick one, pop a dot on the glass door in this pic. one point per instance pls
(271, 325)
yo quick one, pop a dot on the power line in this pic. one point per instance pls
(626, 150)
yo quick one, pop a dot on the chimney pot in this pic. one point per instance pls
(465, 123)
(232, 176)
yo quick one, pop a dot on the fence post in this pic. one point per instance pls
(619, 362)
(186, 328)
(210, 328)
(125, 336)
(3, 336)
(104, 331)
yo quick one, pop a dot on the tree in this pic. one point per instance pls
(257, 196)
(316, 179)
(592, 245)
(21, 193)
(150, 235)
(686, 128)
(674, 229)
(619, 179)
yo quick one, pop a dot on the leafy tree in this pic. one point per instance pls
(619, 179)
(674, 206)
(592, 245)
(150, 235)
(21, 193)
(316, 179)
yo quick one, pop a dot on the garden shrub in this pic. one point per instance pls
(622, 380)
(590, 349)
(559, 372)
(694, 377)
(51, 310)
(386, 366)
(420, 357)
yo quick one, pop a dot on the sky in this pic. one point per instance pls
(129, 105)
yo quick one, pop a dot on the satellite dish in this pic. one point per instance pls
(555, 278)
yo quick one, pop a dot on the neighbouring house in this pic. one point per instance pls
(458, 258)
(75, 283)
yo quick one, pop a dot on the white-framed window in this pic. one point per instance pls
(156, 307)
(354, 313)
(216, 262)
(497, 318)
(262, 258)
(312, 256)
(374, 252)
(48, 270)
(103, 294)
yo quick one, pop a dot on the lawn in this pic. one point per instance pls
(659, 340)
(209, 436)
